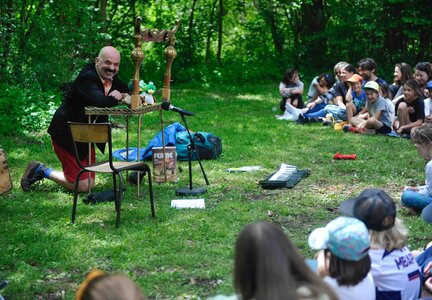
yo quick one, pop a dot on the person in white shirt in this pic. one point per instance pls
(394, 269)
(343, 260)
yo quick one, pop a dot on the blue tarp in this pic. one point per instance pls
(146, 153)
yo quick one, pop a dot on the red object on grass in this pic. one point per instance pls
(345, 156)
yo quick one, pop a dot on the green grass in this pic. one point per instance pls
(189, 252)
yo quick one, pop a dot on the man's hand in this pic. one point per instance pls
(116, 95)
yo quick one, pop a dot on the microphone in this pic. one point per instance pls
(167, 106)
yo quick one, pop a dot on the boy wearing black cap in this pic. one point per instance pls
(396, 273)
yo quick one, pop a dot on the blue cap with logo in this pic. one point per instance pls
(345, 237)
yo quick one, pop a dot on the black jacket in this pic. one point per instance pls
(86, 90)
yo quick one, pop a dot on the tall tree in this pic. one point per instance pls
(210, 31)
(220, 31)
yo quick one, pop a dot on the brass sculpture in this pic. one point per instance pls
(152, 35)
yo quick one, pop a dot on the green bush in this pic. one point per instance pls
(25, 109)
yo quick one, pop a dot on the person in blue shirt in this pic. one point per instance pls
(355, 96)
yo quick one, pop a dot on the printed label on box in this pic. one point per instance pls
(168, 171)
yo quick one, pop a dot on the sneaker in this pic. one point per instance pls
(360, 130)
(132, 179)
(346, 128)
(316, 120)
(34, 172)
(302, 120)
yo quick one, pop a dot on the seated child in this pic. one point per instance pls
(395, 272)
(385, 93)
(291, 89)
(409, 109)
(376, 116)
(101, 286)
(418, 197)
(267, 265)
(428, 102)
(320, 85)
(325, 83)
(355, 97)
(344, 261)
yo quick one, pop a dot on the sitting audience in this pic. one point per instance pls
(355, 97)
(367, 69)
(315, 109)
(267, 265)
(409, 109)
(99, 285)
(338, 108)
(376, 116)
(419, 197)
(319, 86)
(402, 73)
(291, 89)
(344, 261)
(423, 74)
(428, 102)
(395, 271)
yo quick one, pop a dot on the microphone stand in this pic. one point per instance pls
(188, 191)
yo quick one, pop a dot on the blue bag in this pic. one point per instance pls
(208, 145)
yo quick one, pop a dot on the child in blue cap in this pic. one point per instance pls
(344, 261)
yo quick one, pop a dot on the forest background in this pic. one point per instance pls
(43, 44)
(230, 58)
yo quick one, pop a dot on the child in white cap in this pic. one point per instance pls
(376, 117)
(344, 261)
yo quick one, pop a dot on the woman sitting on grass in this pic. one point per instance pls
(409, 110)
(423, 74)
(291, 89)
(402, 73)
(268, 266)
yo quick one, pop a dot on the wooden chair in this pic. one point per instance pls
(101, 133)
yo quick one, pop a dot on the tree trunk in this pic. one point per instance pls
(7, 25)
(190, 47)
(210, 32)
(220, 32)
(273, 28)
(103, 15)
(313, 23)
(29, 23)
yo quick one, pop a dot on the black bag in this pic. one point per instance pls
(208, 145)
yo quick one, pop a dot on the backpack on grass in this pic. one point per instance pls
(208, 146)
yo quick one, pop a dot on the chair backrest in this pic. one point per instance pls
(91, 133)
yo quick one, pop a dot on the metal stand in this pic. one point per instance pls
(188, 191)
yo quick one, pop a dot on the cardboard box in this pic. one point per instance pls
(5, 179)
(168, 171)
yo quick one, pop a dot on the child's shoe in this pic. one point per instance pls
(329, 119)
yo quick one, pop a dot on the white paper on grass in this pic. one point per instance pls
(188, 203)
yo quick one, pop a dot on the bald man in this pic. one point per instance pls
(96, 85)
